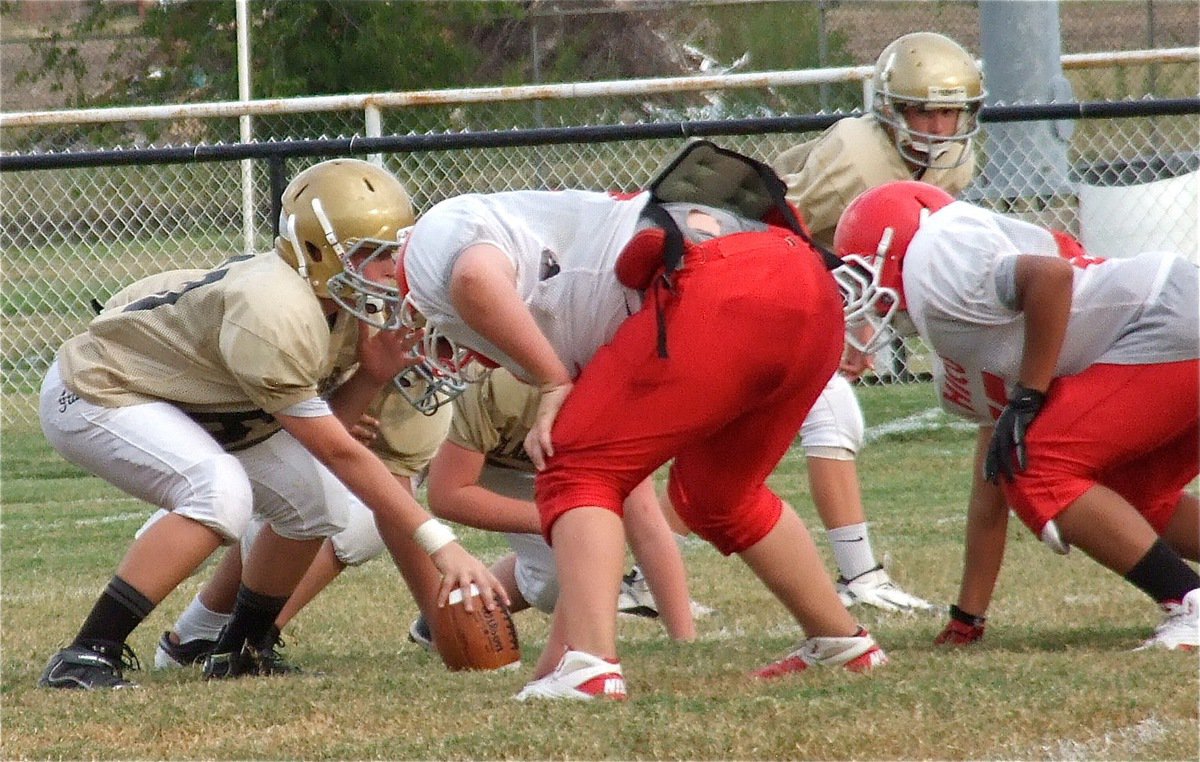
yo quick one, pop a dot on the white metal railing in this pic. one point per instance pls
(367, 101)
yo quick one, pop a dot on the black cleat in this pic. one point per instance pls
(170, 655)
(250, 660)
(89, 668)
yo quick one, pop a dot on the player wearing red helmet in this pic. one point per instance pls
(635, 373)
(1083, 374)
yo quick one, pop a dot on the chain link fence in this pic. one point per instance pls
(73, 235)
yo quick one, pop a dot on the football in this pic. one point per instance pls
(475, 640)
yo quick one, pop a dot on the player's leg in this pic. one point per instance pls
(654, 547)
(1111, 477)
(157, 454)
(192, 638)
(302, 503)
(831, 436)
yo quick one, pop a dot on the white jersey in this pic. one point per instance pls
(959, 283)
(563, 246)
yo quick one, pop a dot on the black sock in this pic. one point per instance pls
(253, 617)
(1163, 575)
(117, 613)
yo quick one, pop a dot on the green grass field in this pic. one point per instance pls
(1054, 678)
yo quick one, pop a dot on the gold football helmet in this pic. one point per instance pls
(334, 207)
(928, 71)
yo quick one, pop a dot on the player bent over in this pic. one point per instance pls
(928, 91)
(1084, 373)
(713, 356)
(204, 400)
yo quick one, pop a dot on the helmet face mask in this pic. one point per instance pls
(928, 72)
(868, 305)
(365, 287)
(446, 371)
(872, 239)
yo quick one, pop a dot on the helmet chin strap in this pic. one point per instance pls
(327, 227)
(287, 227)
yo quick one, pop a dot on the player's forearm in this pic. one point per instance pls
(654, 548)
(478, 507)
(986, 535)
(360, 470)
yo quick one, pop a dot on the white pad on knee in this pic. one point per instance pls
(360, 541)
(222, 499)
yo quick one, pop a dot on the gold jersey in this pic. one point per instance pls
(855, 154)
(493, 416)
(407, 438)
(230, 346)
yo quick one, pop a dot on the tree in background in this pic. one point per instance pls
(186, 50)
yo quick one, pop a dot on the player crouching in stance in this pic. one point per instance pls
(708, 351)
(1083, 375)
(204, 400)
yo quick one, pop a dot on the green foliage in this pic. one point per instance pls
(777, 36)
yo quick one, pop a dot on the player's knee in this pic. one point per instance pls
(561, 490)
(360, 541)
(219, 496)
(730, 526)
(539, 587)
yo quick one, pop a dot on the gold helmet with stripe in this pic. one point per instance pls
(333, 207)
(929, 72)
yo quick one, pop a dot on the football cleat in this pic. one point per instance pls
(876, 588)
(857, 653)
(418, 632)
(172, 655)
(259, 661)
(90, 668)
(635, 598)
(1180, 629)
(579, 676)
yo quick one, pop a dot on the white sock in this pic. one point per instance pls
(852, 550)
(198, 622)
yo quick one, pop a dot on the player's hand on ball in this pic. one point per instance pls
(962, 629)
(460, 569)
(475, 639)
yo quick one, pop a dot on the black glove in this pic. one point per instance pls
(1008, 440)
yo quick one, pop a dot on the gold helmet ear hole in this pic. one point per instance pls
(367, 183)
(314, 252)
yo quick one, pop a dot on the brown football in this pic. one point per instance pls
(478, 639)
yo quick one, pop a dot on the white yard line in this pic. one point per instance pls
(1120, 743)
(926, 420)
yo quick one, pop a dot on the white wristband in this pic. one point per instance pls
(433, 535)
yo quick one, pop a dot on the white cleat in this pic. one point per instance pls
(579, 676)
(856, 653)
(1180, 630)
(876, 588)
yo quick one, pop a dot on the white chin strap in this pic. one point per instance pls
(287, 228)
(327, 228)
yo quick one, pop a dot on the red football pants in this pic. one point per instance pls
(754, 330)
(1132, 428)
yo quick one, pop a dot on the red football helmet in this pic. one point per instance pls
(872, 238)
